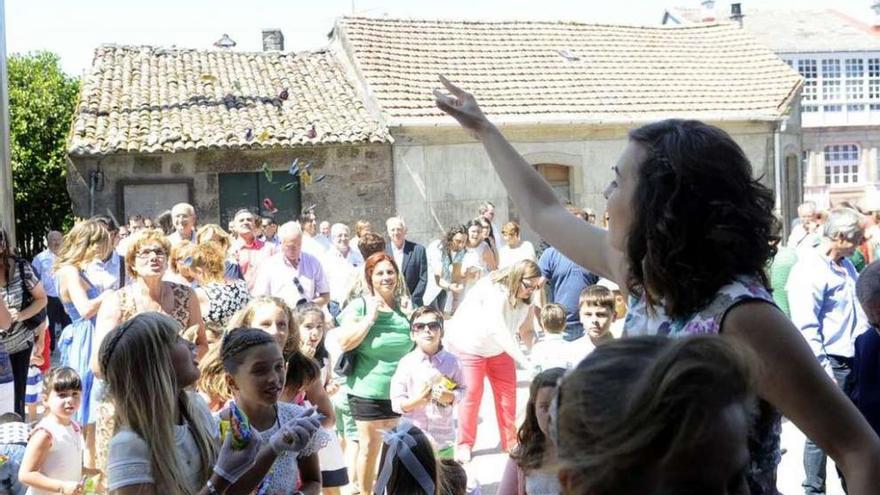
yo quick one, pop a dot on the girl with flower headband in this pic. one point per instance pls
(408, 465)
(167, 442)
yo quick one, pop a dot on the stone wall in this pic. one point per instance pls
(359, 182)
(442, 174)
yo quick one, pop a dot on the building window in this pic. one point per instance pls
(855, 68)
(831, 68)
(855, 92)
(842, 164)
(874, 83)
(807, 68)
(559, 177)
(855, 84)
(831, 84)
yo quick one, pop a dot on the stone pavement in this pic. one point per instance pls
(488, 463)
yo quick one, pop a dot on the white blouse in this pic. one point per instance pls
(485, 323)
(129, 457)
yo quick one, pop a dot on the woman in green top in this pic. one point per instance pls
(376, 329)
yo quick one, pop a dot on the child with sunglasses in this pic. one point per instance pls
(429, 382)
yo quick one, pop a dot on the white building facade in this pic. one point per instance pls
(838, 56)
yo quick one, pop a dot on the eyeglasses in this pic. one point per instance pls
(145, 253)
(433, 326)
(531, 285)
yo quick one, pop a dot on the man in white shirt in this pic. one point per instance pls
(292, 274)
(309, 229)
(43, 267)
(183, 218)
(325, 237)
(109, 273)
(270, 230)
(340, 262)
(805, 234)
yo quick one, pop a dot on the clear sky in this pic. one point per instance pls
(73, 28)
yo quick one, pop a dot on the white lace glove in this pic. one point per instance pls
(233, 464)
(294, 435)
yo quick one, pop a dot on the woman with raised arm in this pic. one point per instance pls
(689, 236)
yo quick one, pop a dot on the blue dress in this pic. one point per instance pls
(75, 347)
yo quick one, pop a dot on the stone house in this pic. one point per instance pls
(565, 94)
(156, 126)
(839, 58)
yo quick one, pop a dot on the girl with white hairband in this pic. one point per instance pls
(408, 465)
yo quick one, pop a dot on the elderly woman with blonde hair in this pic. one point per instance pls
(146, 261)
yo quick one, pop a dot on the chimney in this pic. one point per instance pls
(707, 13)
(225, 42)
(273, 40)
(876, 7)
(736, 13)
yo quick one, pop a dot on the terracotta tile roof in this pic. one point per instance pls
(153, 100)
(806, 31)
(567, 71)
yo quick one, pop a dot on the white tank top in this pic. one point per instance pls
(65, 457)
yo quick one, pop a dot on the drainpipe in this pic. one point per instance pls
(92, 180)
(96, 183)
(778, 163)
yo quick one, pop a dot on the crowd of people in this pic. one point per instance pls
(675, 334)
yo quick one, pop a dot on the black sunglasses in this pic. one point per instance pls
(433, 326)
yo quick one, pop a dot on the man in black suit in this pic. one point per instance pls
(410, 258)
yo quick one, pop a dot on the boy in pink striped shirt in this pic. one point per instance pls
(429, 382)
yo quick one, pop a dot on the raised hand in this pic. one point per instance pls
(371, 309)
(460, 105)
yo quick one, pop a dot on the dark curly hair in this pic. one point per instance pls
(700, 220)
(450, 235)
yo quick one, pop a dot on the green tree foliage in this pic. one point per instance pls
(42, 100)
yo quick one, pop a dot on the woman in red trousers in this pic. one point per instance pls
(483, 336)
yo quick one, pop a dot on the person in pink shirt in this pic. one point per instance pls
(429, 382)
(248, 250)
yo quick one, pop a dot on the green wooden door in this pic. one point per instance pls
(248, 190)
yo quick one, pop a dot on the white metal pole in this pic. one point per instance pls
(7, 203)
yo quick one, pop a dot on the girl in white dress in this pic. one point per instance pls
(478, 258)
(310, 322)
(53, 460)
